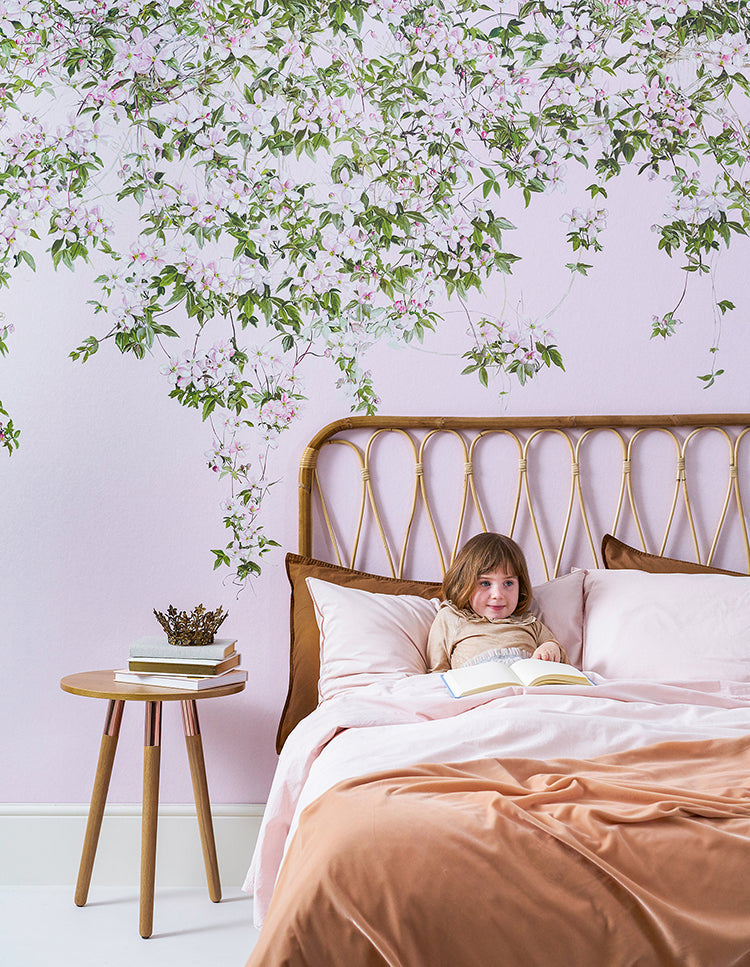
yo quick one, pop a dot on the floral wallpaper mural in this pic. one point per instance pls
(260, 182)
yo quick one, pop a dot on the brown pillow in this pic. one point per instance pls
(304, 654)
(617, 555)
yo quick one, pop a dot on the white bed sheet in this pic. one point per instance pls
(390, 724)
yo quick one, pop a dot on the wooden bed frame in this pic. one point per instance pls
(669, 485)
(520, 822)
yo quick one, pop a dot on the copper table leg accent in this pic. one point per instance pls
(107, 751)
(194, 745)
(150, 815)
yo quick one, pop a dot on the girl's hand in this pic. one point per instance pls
(548, 651)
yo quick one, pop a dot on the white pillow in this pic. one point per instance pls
(364, 635)
(667, 627)
(559, 605)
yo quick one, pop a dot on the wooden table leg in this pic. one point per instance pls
(194, 745)
(107, 751)
(150, 814)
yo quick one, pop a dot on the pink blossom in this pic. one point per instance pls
(136, 54)
(279, 190)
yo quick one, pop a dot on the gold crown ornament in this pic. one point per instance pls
(196, 628)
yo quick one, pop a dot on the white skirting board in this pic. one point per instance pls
(40, 844)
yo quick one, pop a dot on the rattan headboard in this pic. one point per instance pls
(399, 495)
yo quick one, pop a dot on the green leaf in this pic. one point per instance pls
(710, 378)
(88, 347)
(26, 257)
(222, 559)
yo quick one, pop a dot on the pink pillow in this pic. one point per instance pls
(667, 627)
(559, 605)
(365, 635)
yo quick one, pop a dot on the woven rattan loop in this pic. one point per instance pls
(523, 500)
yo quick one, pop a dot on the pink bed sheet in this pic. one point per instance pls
(415, 720)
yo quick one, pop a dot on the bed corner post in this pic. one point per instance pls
(306, 476)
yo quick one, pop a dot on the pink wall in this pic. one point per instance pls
(108, 510)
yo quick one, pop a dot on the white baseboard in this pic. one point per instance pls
(40, 844)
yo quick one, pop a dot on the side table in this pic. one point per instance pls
(102, 684)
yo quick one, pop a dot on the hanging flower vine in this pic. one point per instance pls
(261, 181)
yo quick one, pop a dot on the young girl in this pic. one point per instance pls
(485, 614)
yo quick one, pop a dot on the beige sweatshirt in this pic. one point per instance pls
(458, 636)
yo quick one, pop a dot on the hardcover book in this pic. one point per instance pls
(157, 646)
(180, 666)
(188, 682)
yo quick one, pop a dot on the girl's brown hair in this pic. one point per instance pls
(483, 554)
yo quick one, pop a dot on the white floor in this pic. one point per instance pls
(41, 926)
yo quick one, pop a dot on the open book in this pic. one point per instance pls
(495, 674)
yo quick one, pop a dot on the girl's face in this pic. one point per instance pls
(495, 594)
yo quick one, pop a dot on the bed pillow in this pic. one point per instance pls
(616, 555)
(666, 627)
(304, 637)
(559, 605)
(365, 636)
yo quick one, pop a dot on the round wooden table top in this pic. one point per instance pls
(102, 684)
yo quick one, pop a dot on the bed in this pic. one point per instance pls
(603, 824)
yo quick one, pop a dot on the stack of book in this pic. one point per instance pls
(153, 661)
